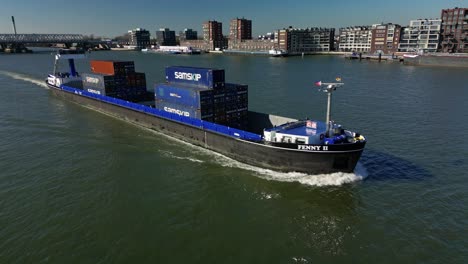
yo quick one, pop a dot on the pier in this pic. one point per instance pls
(377, 57)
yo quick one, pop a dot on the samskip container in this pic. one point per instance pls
(182, 110)
(199, 77)
(184, 95)
(101, 81)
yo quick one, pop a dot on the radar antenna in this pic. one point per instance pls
(329, 88)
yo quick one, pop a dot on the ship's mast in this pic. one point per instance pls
(329, 88)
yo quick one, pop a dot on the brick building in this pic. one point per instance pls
(454, 30)
(240, 29)
(213, 34)
(385, 38)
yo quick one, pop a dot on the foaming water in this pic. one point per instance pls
(23, 77)
(174, 156)
(319, 180)
(331, 179)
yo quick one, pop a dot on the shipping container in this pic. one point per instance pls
(218, 92)
(238, 125)
(136, 79)
(193, 76)
(97, 80)
(121, 68)
(204, 110)
(111, 85)
(183, 110)
(236, 99)
(121, 93)
(219, 110)
(237, 114)
(190, 96)
(237, 87)
(231, 108)
(136, 76)
(219, 119)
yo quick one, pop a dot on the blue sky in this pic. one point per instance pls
(112, 18)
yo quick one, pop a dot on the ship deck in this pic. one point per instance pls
(300, 128)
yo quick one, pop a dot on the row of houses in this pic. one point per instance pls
(422, 34)
(448, 34)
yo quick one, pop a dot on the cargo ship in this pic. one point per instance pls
(196, 105)
(437, 59)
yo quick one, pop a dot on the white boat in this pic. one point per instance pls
(277, 53)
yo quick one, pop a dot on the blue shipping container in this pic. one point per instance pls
(181, 110)
(199, 77)
(103, 82)
(189, 96)
(237, 87)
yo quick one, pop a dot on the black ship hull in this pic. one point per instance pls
(277, 157)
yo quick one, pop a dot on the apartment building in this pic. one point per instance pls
(385, 38)
(166, 37)
(422, 35)
(188, 34)
(309, 40)
(356, 39)
(240, 29)
(213, 34)
(139, 37)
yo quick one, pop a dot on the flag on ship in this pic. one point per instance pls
(319, 83)
(338, 79)
(311, 124)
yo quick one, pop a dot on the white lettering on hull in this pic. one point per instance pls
(176, 111)
(312, 148)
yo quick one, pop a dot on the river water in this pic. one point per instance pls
(77, 186)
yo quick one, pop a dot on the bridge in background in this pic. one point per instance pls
(16, 42)
(40, 38)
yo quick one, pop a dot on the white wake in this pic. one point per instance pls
(332, 179)
(23, 77)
